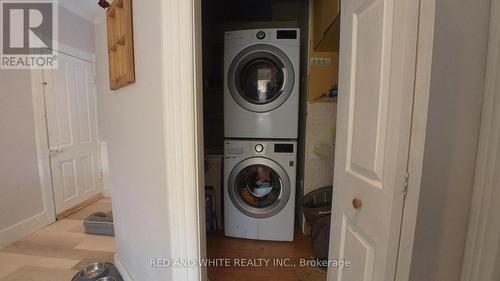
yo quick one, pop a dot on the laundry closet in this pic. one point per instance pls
(270, 73)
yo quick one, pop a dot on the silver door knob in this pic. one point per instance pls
(54, 151)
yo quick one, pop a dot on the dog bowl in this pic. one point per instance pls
(94, 270)
(107, 278)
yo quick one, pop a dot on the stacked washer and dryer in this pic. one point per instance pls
(261, 110)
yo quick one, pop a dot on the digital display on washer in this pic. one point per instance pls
(283, 148)
(286, 34)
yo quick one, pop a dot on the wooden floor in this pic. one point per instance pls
(250, 251)
(58, 251)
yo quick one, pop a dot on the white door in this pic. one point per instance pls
(377, 66)
(72, 127)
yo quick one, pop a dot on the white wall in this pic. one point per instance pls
(75, 31)
(456, 89)
(321, 120)
(131, 124)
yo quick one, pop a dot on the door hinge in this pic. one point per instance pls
(405, 184)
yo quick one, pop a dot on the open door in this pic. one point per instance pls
(377, 67)
(72, 131)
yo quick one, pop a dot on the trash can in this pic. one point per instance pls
(320, 235)
(317, 206)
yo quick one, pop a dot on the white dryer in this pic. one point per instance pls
(259, 189)
(261, 83)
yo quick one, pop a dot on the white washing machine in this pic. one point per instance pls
(261, 83)
(259, 189)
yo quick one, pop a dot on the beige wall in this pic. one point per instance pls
(457, 79)
(131, 124)
(21, 202)
(496, 275)
(21, 195)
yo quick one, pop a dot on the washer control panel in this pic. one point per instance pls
(249, 148)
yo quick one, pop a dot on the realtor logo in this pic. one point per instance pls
(29, 34)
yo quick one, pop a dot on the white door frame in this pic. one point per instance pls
(41, 128)
(418, 133)
(183, 141)
(183, 133)
(482, 245)
(42, 144)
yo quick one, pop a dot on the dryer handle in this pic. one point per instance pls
(283, 71)
(281, 192)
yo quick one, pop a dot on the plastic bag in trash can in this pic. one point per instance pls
(317, 204)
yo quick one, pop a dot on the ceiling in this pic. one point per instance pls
(87, 9)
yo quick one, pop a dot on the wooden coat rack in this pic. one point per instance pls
(120, 44)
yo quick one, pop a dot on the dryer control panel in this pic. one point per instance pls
(283, 148)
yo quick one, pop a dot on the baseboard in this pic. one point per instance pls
(106, 192)
(78, 207)
(22, 229)
(121, 269)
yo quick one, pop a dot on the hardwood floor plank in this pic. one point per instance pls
(221, 247)
(58, 251)
(29, 273)
(78, 207)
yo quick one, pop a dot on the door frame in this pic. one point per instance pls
(482, 246)
(183, 131)
(41, 128)
(182, 103)
(423, 68)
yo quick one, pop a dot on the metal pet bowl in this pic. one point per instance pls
(94, 270)
(107, 278)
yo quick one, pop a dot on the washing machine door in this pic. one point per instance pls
(259, 187)
(261, 78)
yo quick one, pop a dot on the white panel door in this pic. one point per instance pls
(377, 66)
(72, 126)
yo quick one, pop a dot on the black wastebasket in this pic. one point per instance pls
(317, 206)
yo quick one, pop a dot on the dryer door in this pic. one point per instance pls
(259, 187)
(260, 78)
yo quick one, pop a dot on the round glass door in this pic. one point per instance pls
(261, 78)
(261, 81)
(259, 187)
